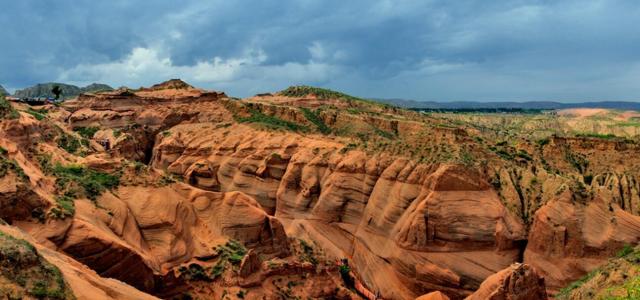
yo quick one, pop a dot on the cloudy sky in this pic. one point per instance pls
(425, 50)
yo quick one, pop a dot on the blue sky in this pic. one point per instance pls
(423, 50)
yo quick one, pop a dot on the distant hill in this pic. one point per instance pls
(509, 105)
(68, 90)
(3, 92)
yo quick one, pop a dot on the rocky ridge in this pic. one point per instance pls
(68, 90)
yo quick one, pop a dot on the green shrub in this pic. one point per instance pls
(466, 158)
(7, 165)
(39, 114)
(504, 154)
(524, 155)
(576, 284)
(577, 160)
(20, 263)
(271, 121)
(64, 208)
(588, 178)
(346, 277)
(384, 134)
(166, 179)
(232, 252)
(92, 183)
(86, 132)
(314, 117)
(308, 253)
(6, 110)
(194, 272)
(69, 143)
(597, 135)
(627, 249)
(543, 142)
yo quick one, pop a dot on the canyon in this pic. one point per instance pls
(177, 192)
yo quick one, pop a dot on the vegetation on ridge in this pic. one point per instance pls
(618, 279)
(6, 110)
(314, 117)
(270, 122)
(74, 181)
(322, 93)
(25, 274)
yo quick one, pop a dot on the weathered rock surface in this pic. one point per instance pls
(389, 214)
(83, 282)
(433, 296)
(414, 204)
(568, 239)
(517, 282)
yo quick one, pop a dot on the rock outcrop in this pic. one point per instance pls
(51, 274)
(569, 239)
(517, 282)
(68, 90)
(388, 214)
(433, 296)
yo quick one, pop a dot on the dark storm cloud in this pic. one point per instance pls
(431, 50)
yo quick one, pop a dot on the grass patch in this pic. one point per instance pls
(39, 114)
(30, 275)
(271, 122)
(314, 117)
(86, 132)
(230, 253)
(597, 136)
(543, 142)
(74, 181)
(604, 283)
(69, 143)
(466, 158)
(626, 250)
(307, 253)
(195, 272)
(6, 110)
(524, 155)
(383, 133)
(64, 208)
(577, 160)
(166, 179)
(7, 165)
(576, 284)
